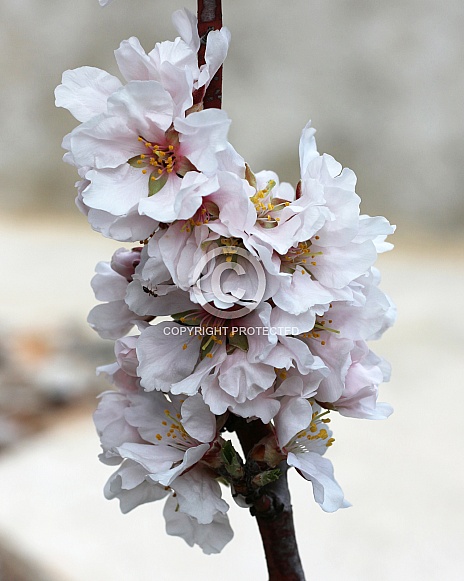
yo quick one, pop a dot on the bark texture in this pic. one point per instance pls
(210, 18)
(272, 508)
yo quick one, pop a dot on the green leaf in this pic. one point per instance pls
(266, 477)
(231, 460)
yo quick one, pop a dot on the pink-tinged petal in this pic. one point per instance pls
(211, 538)
(154, 459)
(244, 380)
(217, 45)
(119, 378)
(217, 399)
(300, 292)
(163, 358)
(319, 470)
(172, 248)
(107, 284)
(336, 356)
(103, 142)
(179, 84)
(146, 108)
(191, 383)
(229, 160)
(168, 299)
(191, 457)
(154, 269)
(361, 322)
(258, 321)
(115, 190)
(180, 198)
(197, 419)
(359, 398)
(129, 486)
(292, 324)
(195, 186)
(124, 349)
(130, 227)
(308, 148)
(263, 406)
(186, 25)
(294, 415)
(237, 213)
(85, 91)
(364, 406)
(177, 53)
(111, 320)
(147, 413)
(111, 424)
(134, 63)
(375, 228)
(338, 266)
(202, 135)
(292, 352)
(295, 386)
(164, 205)
(199, 495)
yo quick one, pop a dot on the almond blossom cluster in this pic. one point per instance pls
(238, 295)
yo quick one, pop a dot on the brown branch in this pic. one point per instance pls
(210, 18)
(272, 507)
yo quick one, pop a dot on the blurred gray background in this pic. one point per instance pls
(383, 82)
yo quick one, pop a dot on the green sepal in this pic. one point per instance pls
(154, 186)
(133, 161)
(239, 340)
(250, 177)
(211, 208)
(269, 224)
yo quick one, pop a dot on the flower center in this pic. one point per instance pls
(316, 432)
(299, 255)
(212, 332)
(267, 207)
(322, 324)
(157, 161)
(173, 432)
(206, 213)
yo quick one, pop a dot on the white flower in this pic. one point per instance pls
(211, 537)
(142, 138)
(304, 437)
(130, 485)
(359, 396)
(113, 319)
(164, 442)
(138, 148)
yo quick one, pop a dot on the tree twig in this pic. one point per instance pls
(272, 508)
(210, 18)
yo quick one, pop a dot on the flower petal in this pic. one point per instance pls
(85, 91)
